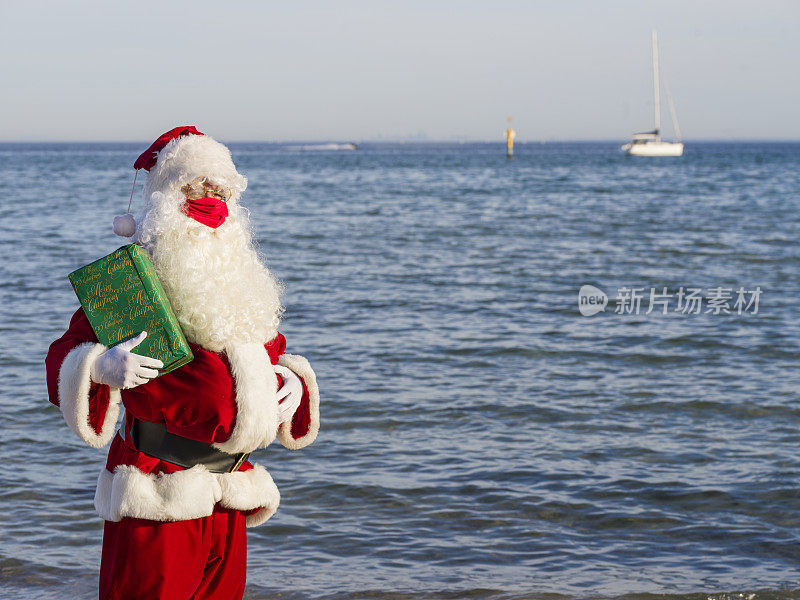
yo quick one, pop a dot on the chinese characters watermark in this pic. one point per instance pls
(660, 300)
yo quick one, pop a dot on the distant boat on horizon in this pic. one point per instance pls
(327, 146)
(649, 143)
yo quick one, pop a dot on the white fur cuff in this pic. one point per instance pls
(302, 368)
(73, 395)
(184, 495)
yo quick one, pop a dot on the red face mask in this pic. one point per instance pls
(208, 211)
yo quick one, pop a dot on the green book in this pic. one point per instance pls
(121, 296)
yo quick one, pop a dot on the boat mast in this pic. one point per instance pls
(656, 97)
(672, 113)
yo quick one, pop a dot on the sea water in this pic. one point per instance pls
(481, 437)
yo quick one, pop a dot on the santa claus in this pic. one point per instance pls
(178, 489)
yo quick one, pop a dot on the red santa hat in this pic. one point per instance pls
(178, 157)
(125, 225)
(147, 159)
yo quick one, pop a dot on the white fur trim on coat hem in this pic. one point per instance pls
(302, 368)
(246, 490)
(184, 495)
(73, 395)
(256, 399)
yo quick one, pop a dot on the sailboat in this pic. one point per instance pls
(650, 143)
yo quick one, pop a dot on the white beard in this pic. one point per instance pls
(220, 289)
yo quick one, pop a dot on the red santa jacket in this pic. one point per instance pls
(228, 400)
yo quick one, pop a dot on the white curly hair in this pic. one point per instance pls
(219, 286)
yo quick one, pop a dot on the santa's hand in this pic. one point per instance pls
(118, 367)
(290, 394)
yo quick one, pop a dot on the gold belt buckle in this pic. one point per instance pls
(242, 457)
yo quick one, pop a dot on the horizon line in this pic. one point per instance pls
(541, 141)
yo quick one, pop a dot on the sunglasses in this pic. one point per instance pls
(205, 188)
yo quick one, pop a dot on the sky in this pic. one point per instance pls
(402, 70)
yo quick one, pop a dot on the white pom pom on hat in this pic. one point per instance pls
(125, 225)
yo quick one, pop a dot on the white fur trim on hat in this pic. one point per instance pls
(302, 368)
(184, 495)
(73, 395)
(190, 157)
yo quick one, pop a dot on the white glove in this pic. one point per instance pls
(290, 394)
(118, 367)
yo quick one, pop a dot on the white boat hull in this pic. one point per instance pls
(654, 149)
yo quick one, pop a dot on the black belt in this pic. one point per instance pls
(154, 440)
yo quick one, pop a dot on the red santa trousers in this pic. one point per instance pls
(197, 559)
